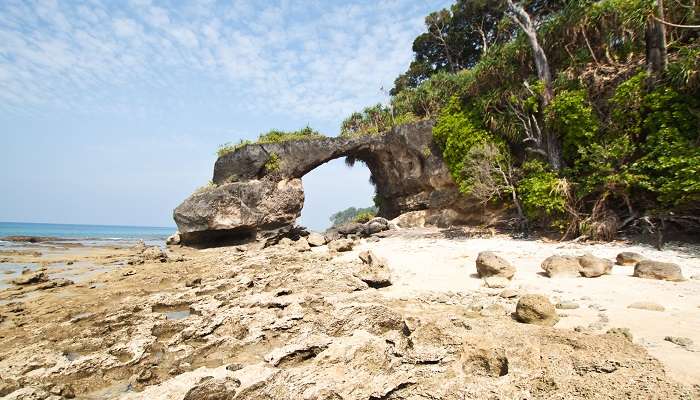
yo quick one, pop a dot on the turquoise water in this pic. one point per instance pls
(83, 233)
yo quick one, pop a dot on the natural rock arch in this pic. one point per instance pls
(250, 201)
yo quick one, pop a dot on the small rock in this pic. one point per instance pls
(129, 272)
(494, 310)
(173, 240)
(629, 258)
(562, 267)
(695, 277)
(375, 271)
(155, 253)
(194, 282)
(496, 282)
(658, 270)
(489, 263)
(509, 294)
(646, 305)
(140, 246)
(209, 388)
(302, 245)
(285, 241)
(592, 267)
(536, 309)
(341, 245)
(680, 341)
(31, 278)
(567, 305)
(316, 239)
(621, 331)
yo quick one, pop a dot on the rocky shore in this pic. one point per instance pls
(394, 314)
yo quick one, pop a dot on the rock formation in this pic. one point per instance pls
(250, 199)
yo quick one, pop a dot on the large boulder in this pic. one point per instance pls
(562, 267)
(376, 225)
(629, 258)
(658, 270)
(234, 212)
(592, 267)
(536, 309)
(489, 264)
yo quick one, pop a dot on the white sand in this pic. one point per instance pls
(422, 266)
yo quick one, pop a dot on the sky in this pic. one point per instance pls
(111, 111)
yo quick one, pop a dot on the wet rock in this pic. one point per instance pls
(647, 305)
(629, 258)
(316, 239)
(658, 270)
(592, 267)
(680, 341)
(155, 253)
(536, 309)
(561, 267)
(341, 245)
(489, 263)
(30, 278)
(173, 240)
(375, 271)
(209, 388)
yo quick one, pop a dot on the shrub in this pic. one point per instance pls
(272, 136)
(230, 148)
(364, 217)
(543, 194)
(571, 117)
(273, 163)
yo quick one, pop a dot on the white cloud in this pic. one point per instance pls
(314, 60)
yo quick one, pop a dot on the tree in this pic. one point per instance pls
(656, 54)
(546, 141)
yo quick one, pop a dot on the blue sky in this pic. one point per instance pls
(111, 111)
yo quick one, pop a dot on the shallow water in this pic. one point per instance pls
(9, 271)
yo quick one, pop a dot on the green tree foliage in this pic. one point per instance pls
(630, 143)
(350, 214)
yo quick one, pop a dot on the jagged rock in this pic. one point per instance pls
(375, 271)
(647, 305)
(629, 258)
(680, 341)
(155, 253)
(302, 349)
(209, 388)
(592, 267)
(566, 305)
(302, 245)
(173, 240)
(496, 282)
(341, 245)
(53, 283)
(562, 267)
(536, 309)
(316, 239)
(140, 246)
(376, 225)
(30, 278)
(658, 270)
(234, 212)
(625, 332)
(489, 263)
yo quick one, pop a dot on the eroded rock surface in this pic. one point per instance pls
(276, 323)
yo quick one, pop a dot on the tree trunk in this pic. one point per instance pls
(544, 74)
(657, 57)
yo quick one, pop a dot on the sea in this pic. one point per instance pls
(86, 234)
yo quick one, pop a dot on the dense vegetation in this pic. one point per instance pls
(353, 214)
(272, 136)
(583, 114)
